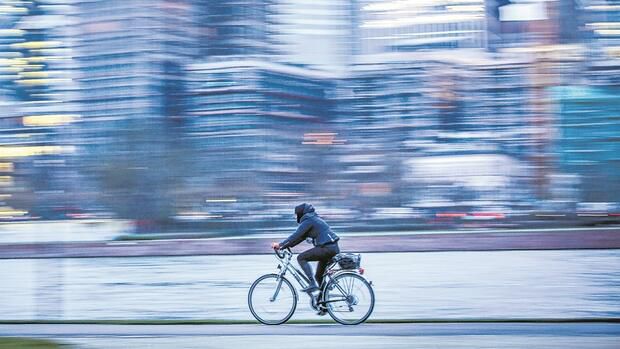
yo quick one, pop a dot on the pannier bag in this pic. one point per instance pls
(348, 260)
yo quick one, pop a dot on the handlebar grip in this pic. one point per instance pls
(280, 253)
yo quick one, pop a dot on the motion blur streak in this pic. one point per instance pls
(152, 150)
(219, 116)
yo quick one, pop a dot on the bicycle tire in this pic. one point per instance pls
(284, 282)
(329, 302)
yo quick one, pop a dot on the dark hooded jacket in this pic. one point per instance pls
(310, 226)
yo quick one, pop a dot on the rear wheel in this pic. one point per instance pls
(349, 299)
(272, 299)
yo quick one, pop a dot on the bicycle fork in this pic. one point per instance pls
(275, 293)
(278, 286)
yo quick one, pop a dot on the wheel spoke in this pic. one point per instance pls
(349, 299)
(342, 291)
(272, 299)
(351, 282)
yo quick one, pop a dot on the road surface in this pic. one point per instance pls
(422, 335)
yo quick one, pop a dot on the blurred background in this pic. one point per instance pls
(219, 117)
(411, 125)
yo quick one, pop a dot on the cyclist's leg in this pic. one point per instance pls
(313, 254)
(320, 270)
(327, 252)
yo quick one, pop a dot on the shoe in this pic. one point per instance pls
(321, 312)
(311, 288)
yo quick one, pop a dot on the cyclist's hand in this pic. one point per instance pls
(275, 245)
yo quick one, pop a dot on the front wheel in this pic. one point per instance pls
(272, 299)
(349, 299)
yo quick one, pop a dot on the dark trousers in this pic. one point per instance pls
(322, 254)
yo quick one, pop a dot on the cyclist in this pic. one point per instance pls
(314, 228)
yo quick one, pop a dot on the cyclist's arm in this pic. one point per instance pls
(298, 236)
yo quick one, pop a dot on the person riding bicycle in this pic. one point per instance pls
(325, 242)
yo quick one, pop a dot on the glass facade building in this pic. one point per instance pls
(408, 116)
(260, 132)
(318, 33)
(392, 25)
(38, 95)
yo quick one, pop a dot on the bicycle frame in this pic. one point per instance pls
(285, 266)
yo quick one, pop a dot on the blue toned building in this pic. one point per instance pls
(260, 133)
(381, 105)
(390, 26)
(322, 34)
(237, 27)
(130, 54)
(437, 129)
(602, 24)
(589, 144)
(37, 99)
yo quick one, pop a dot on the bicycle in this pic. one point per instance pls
(344, 294)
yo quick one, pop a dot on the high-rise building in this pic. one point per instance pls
(587, 146)
(379, 105)
(405, 25)
(422, 126)
(317, 33)
(532, 22)
(237, 27)
(36, 49)
(131, 56)
(260, 134)
(602, 23)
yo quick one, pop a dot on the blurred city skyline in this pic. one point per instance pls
(222, 115)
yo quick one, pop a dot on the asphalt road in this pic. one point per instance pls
(428, 335)
(374, 329)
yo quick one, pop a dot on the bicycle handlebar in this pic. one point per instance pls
(281, 253)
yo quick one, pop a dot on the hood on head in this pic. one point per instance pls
(302, 209)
